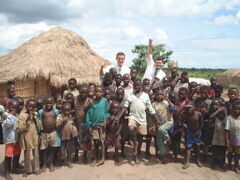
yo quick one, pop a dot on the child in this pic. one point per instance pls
(95, 121)
(232, 130)
(194, 124)
(108, 81)
(2, 116)
(72, 84)
(59, 104)
(113, 72)
(233, 95)
(49, 137)
(176, 132)
(174, 77)
(133, 74)
(165, 86)
(108, 94)
(192, 87)
(40, 103)
(68, 132)
(118, 81)
(10, 138)
(162, 109)
(126, 86)
(146, 82)
(182, 98)
(82, 102)
(183, 82)
(138, 102)
(28, 128)
(69, 97)
(10, 95)
(21, 103)
(113, 129)
(213, 82)
(218, 114)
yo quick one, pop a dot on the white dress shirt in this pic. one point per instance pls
(120, 70)
(150, 70)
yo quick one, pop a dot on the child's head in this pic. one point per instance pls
(137, 85)
(218, 90)
(113, 72)
(66, 109)
(118, 79)
(114, 108)
(126, 79)
(133, 74)
(198, 89)
(72, 83)
(233, 93)
(31, 105)
(21, 103)
(184, 77)
(176, 118)
(192, 86)
(146, 89)
(13, 106)
(49, 103)
(201, 106)
(107, 80)
(174, 72)
(165, 82)
(213, 81)
(83, 91)
(59, 104)
(91, 86)
(69, 98)
(108, 93)
(172, 97)
(159, 96)
(120, 94)
(205, 92)
(40, 102)
(215, 104)
(11, 91)
(236, 109)
(182, 93)
(146, 82)
(98, 92)
(190, 107)
(152, 97)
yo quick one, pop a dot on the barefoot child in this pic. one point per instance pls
(95, 121)
(194, 124)
(28, 128)
(72, 84)
(10, 95)
(10, 137)
(82, 102)
(68, 132)
(113, 129)
(49, 137)
(233, 135)
(138, 102)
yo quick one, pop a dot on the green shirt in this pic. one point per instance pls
(96, 114)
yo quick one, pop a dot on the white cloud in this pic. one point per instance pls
(227, 20)
(132, 32)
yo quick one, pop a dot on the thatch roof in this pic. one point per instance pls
(57, 55)
(231, 76)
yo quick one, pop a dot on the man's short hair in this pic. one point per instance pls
(120, 54)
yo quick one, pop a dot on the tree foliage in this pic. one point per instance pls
(139, 63)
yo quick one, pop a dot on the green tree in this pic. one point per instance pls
(139, 63)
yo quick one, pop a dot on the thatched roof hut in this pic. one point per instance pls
(231, 76)
(49, 59)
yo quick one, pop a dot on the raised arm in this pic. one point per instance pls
(149, 50)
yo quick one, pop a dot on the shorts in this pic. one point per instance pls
(98, 133)
(234, 149)
(12, 149)
(141, 129)
(48, 140)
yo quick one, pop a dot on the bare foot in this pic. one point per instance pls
(100, 163)
(37, 172)
(94, 163)
(69, 164)
(136, 160)
(51, 168)
(199, 164)
(185, 166)
(43, 169)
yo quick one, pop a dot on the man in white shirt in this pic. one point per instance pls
(121, 69)
(154, 70)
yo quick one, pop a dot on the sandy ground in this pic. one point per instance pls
(126, 169)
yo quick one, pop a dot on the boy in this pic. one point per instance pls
(118, 81)
(72, 84)
(49, 138)
(182, 98)
(183, 82)
(133, 74)
(10, 138)
(28, 128)
(213, 82)
(232, 130)
(68, 132)
(126, 86)
(40, 103)
(194, 124)
(10, 95)
(233, 95)
(95, 121)
(138, 102)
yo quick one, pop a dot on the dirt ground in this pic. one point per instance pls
(126, 169)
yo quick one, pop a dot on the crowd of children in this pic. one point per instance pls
(89, 118)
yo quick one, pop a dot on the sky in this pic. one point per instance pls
(201, 33)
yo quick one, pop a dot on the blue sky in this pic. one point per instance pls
(201, 33)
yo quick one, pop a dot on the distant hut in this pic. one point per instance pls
(231, 76)
(44, 64)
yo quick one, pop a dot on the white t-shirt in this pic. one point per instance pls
(138, 106)
(120, 70)
(150, 70)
